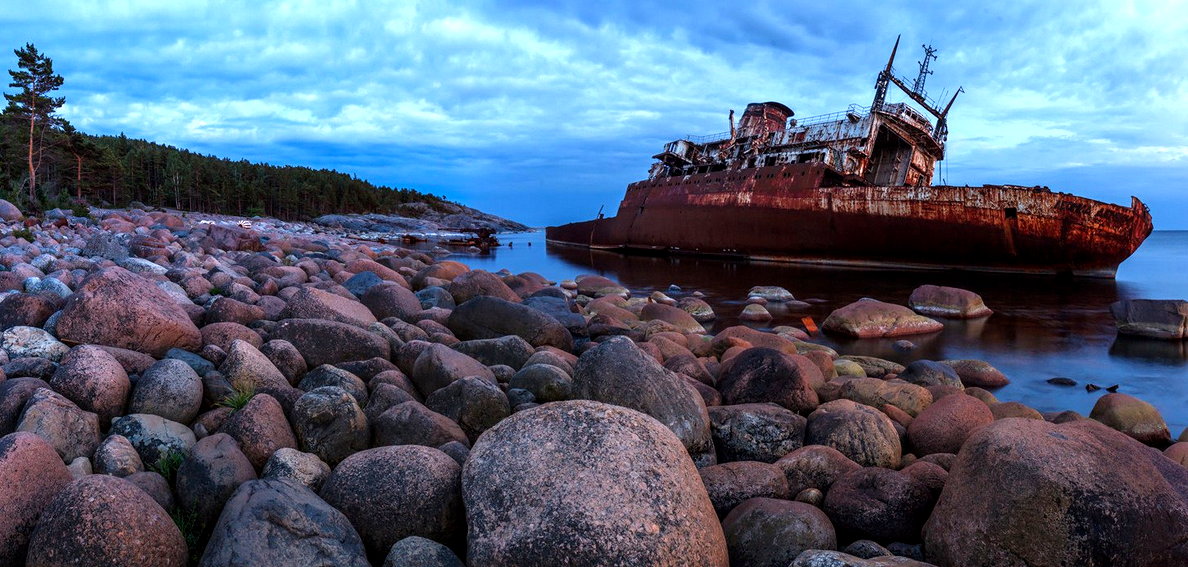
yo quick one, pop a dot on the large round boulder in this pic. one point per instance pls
(438, 366)
(930, 373)
(329, 423)
(1154, 318)
(14, 393)
(304, 468)
(879, 504)
(1132, 416)
(674, 316)
(945, 425)
(277, 521)
(474, 403)
(510, 350)
(391, 300)
(411, 423)
(329, 342)
(977, 373)
(729, 484)
(210, 474)
(312, 303)
(593, 483)
(71, 431)
(390, 493)
(153, 436)
(93, 379)
(261, 429)
(1024, 492)
(861, 433)
(767, 532)
(763, 374)
(170, 389)
(475, 283)
(416, 550)
(117, 308)
(814, 466)
(486, 317)
(755, 432)
(32, 474)
(617, 372)
(105, 520)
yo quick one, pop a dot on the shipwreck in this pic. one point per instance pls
(854, 188)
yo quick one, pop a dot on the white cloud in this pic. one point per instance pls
(487, 101)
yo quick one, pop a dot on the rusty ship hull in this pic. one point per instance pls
(804, 213)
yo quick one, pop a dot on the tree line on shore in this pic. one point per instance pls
(45, 162)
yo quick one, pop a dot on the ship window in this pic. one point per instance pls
(1011, 212)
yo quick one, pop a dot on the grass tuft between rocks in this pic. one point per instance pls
(238, 398)
(168, 464)
(191, 528)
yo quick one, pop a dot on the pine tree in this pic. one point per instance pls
(35, 79)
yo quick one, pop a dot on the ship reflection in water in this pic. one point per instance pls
(1042, 327)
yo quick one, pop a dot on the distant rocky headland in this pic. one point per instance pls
(181, 388)
(421, 218)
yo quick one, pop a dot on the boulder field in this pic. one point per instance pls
(177, 390)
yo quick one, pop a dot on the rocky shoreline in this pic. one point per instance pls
(179, 390)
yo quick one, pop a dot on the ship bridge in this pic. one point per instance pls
(885, 144)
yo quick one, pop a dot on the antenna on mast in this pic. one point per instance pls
(929, 56)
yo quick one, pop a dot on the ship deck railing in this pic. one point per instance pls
(853, 112)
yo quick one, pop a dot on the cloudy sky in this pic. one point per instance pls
(544, 113)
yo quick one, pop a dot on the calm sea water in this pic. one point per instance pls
(1041, 328)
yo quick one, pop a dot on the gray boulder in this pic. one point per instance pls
(390, 493)
(766, 532)
(420, 552)
(304, 468)
(474, 403)
(755, 432)
(861, 433)
(277, 521)
(117, 457)
(617, 372)
(438, 366)
(210, 474)
(411, 423)
(327, 375)
(329, 342)
(169, 388)
(548, 383)
(329, 424)
(153, 436)
(1155, 318)
(511, 350)
(71, 431)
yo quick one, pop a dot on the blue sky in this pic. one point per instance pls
(543, 113)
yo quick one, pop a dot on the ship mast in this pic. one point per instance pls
(929, 55)
(916, 92)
